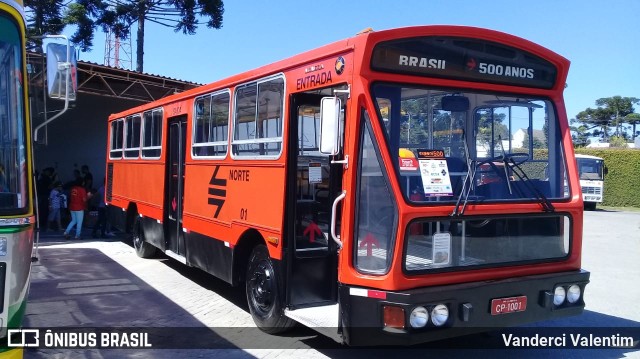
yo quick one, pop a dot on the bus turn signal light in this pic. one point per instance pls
(393, 317)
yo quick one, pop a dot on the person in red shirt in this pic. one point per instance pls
(78, 198)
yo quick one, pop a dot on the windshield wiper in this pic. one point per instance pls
(546, 204)
(468, 179)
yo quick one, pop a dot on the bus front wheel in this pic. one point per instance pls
(262, 293)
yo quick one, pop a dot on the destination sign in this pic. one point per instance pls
(463, 59)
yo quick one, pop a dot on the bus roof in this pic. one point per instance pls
(363, 43)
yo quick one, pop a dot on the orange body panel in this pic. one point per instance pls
(141, 183)
(254, 199)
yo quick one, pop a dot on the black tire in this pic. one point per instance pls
(143, 249)
(263, 297)
(590, 206)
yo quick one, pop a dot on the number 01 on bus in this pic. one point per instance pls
(396, 187)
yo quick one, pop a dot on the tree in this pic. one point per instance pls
(580, 135)
(44, 17)
(611, 112)
(119, 16)
(633, 119)
(593, 118)
(618, 107)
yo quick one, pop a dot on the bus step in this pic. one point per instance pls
(323, 319)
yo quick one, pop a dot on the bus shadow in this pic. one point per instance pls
(299, 337)
(237, 296)
(82, 289)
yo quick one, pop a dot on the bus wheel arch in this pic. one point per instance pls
(263, 283)
(143, 248)
(132, 214)
(241, 252)
(133, 226)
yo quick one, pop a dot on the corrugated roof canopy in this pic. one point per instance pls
(108, 81)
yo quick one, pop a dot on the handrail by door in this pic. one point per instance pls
(336, 238)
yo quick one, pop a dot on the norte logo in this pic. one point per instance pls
(217, 191)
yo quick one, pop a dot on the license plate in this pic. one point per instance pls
(508, 305)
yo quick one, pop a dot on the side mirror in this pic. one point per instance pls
(606, 170)
(330, 125)
(62, 79)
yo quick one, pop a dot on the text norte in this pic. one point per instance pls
(313, 80)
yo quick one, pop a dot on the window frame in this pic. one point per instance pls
(258, 141)
(126, 148)
(367, 129)
(143, 131)
(195, 144)
(112, 149)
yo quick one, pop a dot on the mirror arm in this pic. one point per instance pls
(344, 162)
(66, 100)
(347, 91)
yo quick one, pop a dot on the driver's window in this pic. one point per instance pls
(510, 129)
(492, 132)
(512, 143)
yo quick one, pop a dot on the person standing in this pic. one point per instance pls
(101, 223)
(78, 198)
(56, 203)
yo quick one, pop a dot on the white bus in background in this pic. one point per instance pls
(592, 171)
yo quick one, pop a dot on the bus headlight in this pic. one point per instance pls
(419, 317)
(558, 295)
(439, 315)
(573, 294)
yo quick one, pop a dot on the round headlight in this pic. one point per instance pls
(419, 317)
(439, 314)
(558, 295)
(573, 294)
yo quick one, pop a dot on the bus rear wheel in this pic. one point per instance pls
(262, 293)
(143, 249)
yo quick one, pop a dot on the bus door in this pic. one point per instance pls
(174, 190)
(314, 183)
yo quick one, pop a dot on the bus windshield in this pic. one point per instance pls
(590, 168)
(13, 181)
(480, 146)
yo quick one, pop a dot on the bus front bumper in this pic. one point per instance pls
(373, 317)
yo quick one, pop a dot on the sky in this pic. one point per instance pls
(600, 38)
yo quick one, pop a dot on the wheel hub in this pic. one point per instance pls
(262, 287)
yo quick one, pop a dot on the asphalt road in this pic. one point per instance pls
(103, 284)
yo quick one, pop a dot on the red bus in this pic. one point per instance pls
(396, 187)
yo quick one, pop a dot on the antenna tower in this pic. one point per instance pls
(117, 52)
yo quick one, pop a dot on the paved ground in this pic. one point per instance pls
(102, 283)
